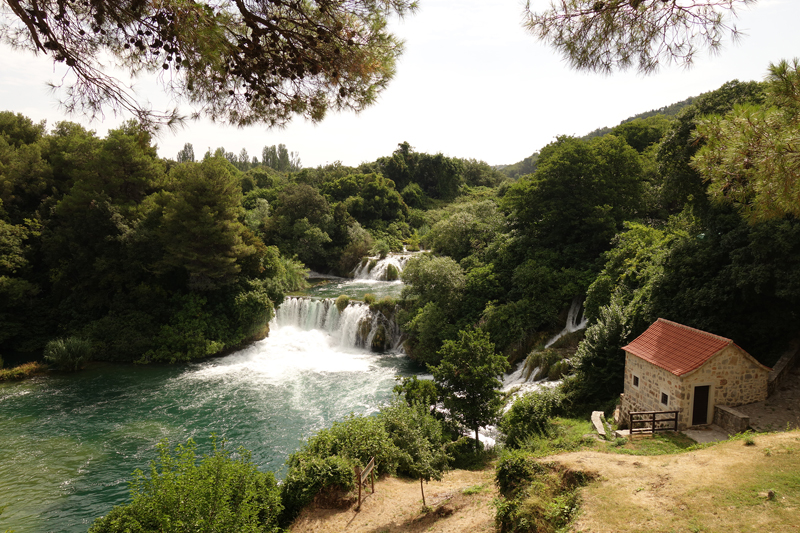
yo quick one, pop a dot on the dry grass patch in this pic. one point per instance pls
(716, 489)
(24, 371)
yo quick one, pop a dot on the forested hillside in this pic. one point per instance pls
(157, 260)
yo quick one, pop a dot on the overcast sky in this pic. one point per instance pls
(471, 83)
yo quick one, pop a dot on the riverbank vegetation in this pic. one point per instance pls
(112, 253)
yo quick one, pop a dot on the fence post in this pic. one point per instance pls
(358, 482)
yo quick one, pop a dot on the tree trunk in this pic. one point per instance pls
(477, 442)
(422, 490)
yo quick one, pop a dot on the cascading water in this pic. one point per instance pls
(517, 379)
(376, 268)
(575, 321)
(356, 326)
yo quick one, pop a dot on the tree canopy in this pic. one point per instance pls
(260, 61)
(609, 35)
(468, 379)
(751, 156)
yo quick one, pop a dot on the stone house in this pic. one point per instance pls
(672, 367)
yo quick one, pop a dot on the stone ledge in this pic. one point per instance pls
(597, 421)
(730, 419)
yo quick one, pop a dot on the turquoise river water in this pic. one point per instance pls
(69, 443)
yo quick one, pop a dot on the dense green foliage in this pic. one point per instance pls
(149, 260)
(529, 416)
(404, 439)
(750, 154)
(68, 354)
(224, 492)
(536, 497)
(467, 378)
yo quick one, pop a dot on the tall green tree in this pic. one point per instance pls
(468, 378)
(201, 230)
(577, 199)
(186, 154)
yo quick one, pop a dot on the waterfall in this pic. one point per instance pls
(357, 326)
(375, 268)
(575, 321)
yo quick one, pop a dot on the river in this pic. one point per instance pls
(69, 443)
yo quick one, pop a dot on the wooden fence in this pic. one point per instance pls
(361, 478)
(649, 421)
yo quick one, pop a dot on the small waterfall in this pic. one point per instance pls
(575, 321)
(375, 268)
(357, 326)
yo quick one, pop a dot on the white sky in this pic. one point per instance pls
(471, 83)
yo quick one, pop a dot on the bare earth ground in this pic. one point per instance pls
(396, 506)
(721, 489)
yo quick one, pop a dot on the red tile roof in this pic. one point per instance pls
(676, 348)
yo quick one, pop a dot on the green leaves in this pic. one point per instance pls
(222, 492)
(751, 156)
(201, 232)
(530, 415)
(467, 377)
(577, 199)
(605, 36)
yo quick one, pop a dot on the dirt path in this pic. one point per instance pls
(396, 506)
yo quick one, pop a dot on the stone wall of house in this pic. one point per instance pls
(736, 378)
(653, 381)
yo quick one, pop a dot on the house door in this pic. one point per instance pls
(700, 407)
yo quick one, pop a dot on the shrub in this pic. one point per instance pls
(537, 497)
(224, 492)
(68, 354)
(545, 363)
(392, 273)
(369, 299)
(530, 415)
(415, 390)
(386, 306)
(515, 470)
(468, 454)
(419, 439)
(311, 475)
(325, 463)
(357, 438)
(342, 302)
(381, 248)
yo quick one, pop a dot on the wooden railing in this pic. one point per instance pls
(361, 478)
(650, 422)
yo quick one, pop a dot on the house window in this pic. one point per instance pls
(664, 398)
(636, 381)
